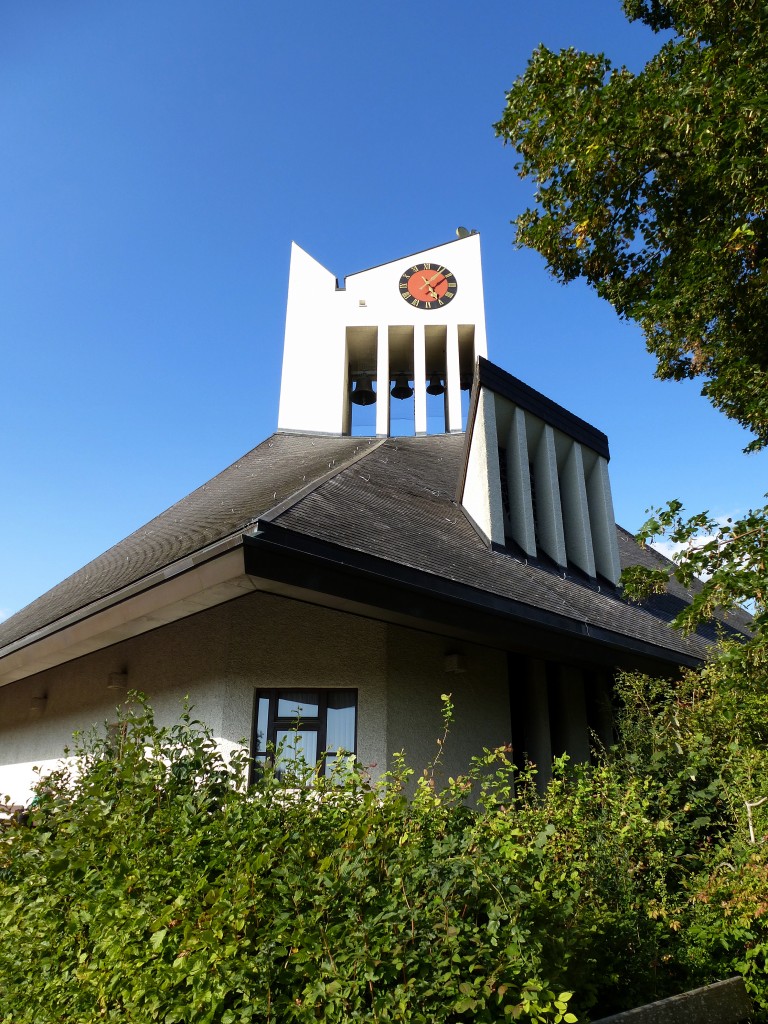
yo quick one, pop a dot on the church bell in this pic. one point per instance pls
(363, 393)
(402, 388)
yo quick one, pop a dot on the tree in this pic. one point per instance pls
(654, 188)
(730, 555)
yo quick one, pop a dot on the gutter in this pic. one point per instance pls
(272, 559)
(345, 573)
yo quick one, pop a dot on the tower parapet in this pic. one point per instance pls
(408, 329)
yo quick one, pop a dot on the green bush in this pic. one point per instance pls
(701, 748)
(150, 885)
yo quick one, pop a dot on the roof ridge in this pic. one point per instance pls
(293, 499)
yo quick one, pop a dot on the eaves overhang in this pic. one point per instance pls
(207, 577)
(305, 568)
(272, 559)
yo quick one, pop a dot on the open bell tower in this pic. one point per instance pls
(408, 329)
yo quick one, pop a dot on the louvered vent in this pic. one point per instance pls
(537, 475)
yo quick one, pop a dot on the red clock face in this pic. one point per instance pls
(427, 286)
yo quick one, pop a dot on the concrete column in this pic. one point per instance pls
(419, 379)
(602, 715)
(603, 522)
(519, 484)
(573, 494)
(537, 730)
(481, 496)
(572, 712)
(548, 510)
(452, 381)
(382, 382)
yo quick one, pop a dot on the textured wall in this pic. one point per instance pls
(219, 656)
(416, 672)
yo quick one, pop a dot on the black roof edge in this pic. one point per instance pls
(503, 383)
(271, 536)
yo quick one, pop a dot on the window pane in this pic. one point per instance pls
(296, 744)
(297, 704)
(262, 721)
(340, 729)
(330, 714)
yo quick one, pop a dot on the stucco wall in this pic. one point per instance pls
(220, 656)
(167, 664)
(417, 676)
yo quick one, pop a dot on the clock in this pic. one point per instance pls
(427, 286)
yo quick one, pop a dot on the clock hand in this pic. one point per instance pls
(428, 285)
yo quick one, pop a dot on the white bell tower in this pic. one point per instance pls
(413, 324)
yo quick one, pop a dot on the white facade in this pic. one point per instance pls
(210, 626)
(333, 336)
(219, 657)
(556, 490)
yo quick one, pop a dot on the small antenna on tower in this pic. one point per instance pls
(462, 232)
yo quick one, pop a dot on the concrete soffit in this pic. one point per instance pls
(209, 577)
(303, 568)
(269, 559)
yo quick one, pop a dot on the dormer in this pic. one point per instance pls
(536, 479)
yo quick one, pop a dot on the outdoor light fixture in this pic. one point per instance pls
(117, 681)
(38, 705)
(455, 663)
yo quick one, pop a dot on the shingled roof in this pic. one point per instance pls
(227, 505)
(393, 501)
(398, 504)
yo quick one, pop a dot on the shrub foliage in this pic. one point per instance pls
(150, 885)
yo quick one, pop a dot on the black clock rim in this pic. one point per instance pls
(422, 303)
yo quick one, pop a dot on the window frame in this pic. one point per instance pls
(317, 724)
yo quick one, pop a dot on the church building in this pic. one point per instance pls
(421, 522)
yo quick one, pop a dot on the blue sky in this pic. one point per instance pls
(157, 161)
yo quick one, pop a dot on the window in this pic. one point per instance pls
(307, 723)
